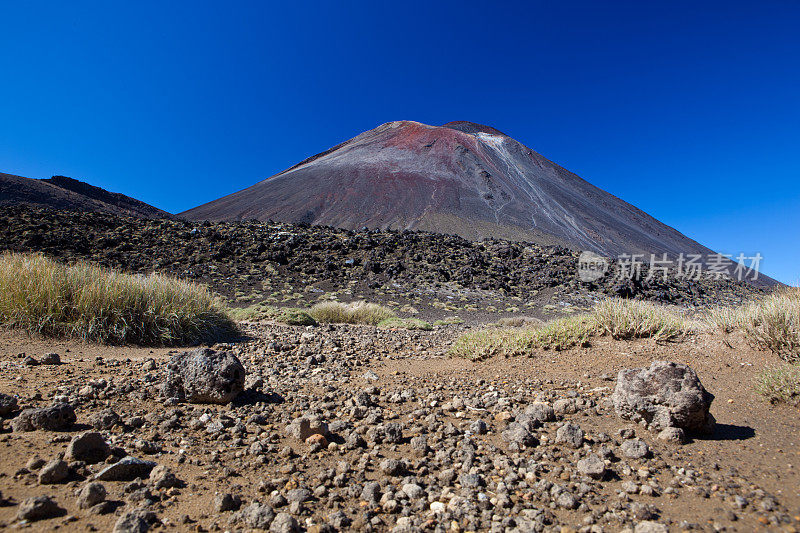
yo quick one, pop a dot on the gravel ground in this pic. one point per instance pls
(351, 428)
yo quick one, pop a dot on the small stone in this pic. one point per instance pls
(39, 508)
(676, 435)
(566, 500)
(570, 434)
(56, 471)
(126, 469)
(478, 427)
(90, 448)
(630, 487)
(438, 507)
(371, 492)
(35, 463)
(163, 478)
(302, 428)
(518, 434)
(257, 515)
(592, 466)
(91, 494)
(136, 521)
(8, 404)
(419, 445)
(565, 406)
(648, 526)
(284, 523)
(634, 449)
(503, 417)
(105, 419)
(226, 502)
(50, 359)
(317, 441)
(413, 491)
(391, 467)
(540, 411)
(299, 495)
(471, 481)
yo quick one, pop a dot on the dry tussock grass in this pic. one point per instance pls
(351, 313)
(86, 301)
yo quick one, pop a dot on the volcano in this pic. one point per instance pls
(461, 178)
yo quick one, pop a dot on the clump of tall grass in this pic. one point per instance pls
(351, 313)
(405, 323)
(291, 316)
(621, 319)
(772, 323)
(86, 301)
(780, 384)
(559, 334)
(631, 319)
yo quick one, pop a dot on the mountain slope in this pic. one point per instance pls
(461, 178)
(60, 192)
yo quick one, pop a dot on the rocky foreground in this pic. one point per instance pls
(346, 428)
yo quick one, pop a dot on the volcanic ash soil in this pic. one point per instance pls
(352, 428)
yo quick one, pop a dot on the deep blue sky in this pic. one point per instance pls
(688, 110)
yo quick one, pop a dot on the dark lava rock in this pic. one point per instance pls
(90, 448)
(58, 417)
(126, 469)
(204, 376)
(91, 495)
(56, 471)
(50, 359)
(39, 508)
(136, 521)
(8, 404)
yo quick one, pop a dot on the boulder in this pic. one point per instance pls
(204, 376)
(54, 418)
(664, 395)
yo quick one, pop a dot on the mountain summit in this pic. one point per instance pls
(461, 178)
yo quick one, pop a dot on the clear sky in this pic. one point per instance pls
(688, 110)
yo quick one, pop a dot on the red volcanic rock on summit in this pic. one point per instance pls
(461, 178)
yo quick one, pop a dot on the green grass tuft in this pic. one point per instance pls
(772, 323)
(296, 317)
(780, 384)
(448, 321)
(93, 303)
(621, 319)
(405, 323)
(632, 319)
(352, 313)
